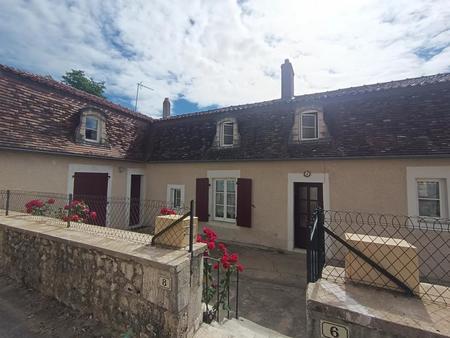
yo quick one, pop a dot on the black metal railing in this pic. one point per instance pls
(315, 254)
(216, 295)
(382, 251)
(98, 214)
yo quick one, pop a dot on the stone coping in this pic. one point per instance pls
(161, 258)
(427, 292)
(379, 309)
(369, 239)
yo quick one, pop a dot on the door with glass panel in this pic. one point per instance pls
(307, 198)
(225, 200)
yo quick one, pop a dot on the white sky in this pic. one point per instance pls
(226, 52)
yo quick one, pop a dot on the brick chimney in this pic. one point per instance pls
(166, 108)
(287, 80)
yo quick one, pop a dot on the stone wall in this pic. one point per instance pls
(123, 284)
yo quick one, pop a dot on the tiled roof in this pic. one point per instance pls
(351, 91)
(68, 90)
(400, 118)
(40, 114)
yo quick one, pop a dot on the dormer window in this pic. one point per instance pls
(92, 129)
(309, 126)
(227, 134)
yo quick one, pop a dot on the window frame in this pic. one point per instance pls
(225, 204)
(222, 134)
(179, 187)
(316, 125)
(441, 199)
(98, 131)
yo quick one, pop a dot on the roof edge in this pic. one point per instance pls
(363, 89)
(54, 84)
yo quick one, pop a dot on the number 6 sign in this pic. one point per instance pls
(333, 330)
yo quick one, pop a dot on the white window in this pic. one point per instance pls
(92, 132)
(430, 197)
(224, 190)
(175, 195)
(309, 126)
(227, 137)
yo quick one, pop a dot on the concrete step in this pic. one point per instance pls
(236, 328)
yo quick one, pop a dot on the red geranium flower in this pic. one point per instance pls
(226, 265)
(233, 258)
(212, 236)
(75, 218)
(51, 201)
(211, 245)
(224, 259)
(167, 211)
(216, 266)
(240, 267)
(93, 215)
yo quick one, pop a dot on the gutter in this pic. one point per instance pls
(331, 158)
(64, 153)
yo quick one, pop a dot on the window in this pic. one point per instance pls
(227, 134)
(92, 129)
(430, 198)
(309, 126)
(175, 195)
(225, 199)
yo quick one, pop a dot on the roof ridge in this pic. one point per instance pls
(410, 82)
(74, 91)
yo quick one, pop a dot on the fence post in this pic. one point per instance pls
(7, 202)
(237, 294)
(309, 255)
(68, 210)
(191, 228)
(321, 240)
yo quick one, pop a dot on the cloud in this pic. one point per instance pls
(225, 52)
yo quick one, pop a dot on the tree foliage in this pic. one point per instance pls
(79, 80)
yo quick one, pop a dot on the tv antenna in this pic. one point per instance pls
(138, 87)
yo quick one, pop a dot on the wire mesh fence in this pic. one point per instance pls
(404, 253)
(137, 220)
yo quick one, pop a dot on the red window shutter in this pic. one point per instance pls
(201, 199)
(244, 202)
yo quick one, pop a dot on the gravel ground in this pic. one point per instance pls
(24, 313)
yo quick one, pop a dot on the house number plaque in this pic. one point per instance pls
(164, 282)
(333, 330)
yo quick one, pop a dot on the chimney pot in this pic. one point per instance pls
(287, 80)
(166, 108)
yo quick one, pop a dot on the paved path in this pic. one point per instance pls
(272, 289)
(24, 313)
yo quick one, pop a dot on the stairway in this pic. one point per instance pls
(236, 328)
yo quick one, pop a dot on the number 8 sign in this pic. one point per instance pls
(333, 330)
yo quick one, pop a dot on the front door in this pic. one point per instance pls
(92, 188)
(307, 197)
(135, 200)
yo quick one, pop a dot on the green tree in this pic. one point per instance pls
(79, 80)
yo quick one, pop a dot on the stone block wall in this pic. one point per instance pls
(125, 285)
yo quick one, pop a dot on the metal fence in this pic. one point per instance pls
(138, 220)
(382, 251)
(218, 295)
